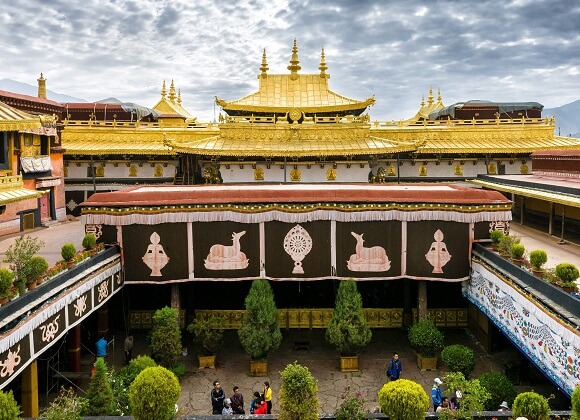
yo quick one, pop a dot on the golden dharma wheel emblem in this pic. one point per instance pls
(295, 114)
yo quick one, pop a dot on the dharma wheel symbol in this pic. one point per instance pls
(297, 244)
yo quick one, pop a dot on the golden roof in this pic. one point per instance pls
(426, 108)
(171, 104)
(12, 190)
(282, 92)
(12, 119)
(292, 142)
(115, 147)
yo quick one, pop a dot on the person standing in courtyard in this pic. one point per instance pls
(237, 401)
(128, 346)
(217, 396)
(436, 394)
(268, 396)
(227, 410)
(101, 347)
(395, 368)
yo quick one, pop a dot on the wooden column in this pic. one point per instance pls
(422, 300)
(103, 321)
(407, 304)
(176, 300)
(73, 344)
(551, 222)
(29, 391)
(522, 210)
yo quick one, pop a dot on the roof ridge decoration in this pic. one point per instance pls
(168, 104)
(294, 62)
(264, 67)
(323, 67)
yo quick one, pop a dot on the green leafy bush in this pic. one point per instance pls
(474, 394)
(9, 409)
(531, 405)
(37, 267)
(260, 332)
(500, 389)
(576, 404)
(459, 358)
(506, 242)
(68, 251)
(298, 394)
(352, 406)
(123, 380)
(538, 258)
(208, 333)
(6, 279)
(496, 236)
(19, 253)
(89, 241)
(517, 251)
(66, 406)
(166, 337)
(348, 330)
(153, 394)
(100, 394)
(567, 272)
(403, 400)
(426, 337)
(178, 370)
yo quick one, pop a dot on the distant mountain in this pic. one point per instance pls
(26, 89)
(567, 118)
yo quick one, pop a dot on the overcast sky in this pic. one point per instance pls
(523, 50)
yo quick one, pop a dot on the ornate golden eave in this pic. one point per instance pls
(12, 190)
(12, 119)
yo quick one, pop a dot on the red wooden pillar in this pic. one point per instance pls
(103, 321)
(73, 343)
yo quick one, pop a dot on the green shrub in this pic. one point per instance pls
(576, 404)
(37, 267)
(6, 280)
(567, 272)
(166, 337)
(19, 253)
(298, 394)
(474, 394)
(459, 358)
(531, 405)
(496, 236)
(123, 380)
(538, 258)
(208, 333)
(68, 251)
(500, 389)
(506, 242)
(426, 337)
(100, 394)
(66, 406)
(260, 332)
(89, 241)
(153, 394)
(9, 409)
(178, 370)
(517, 251)
(403, 400)
(352, 406)
(348, 330)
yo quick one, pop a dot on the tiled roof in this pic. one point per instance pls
(12, 119)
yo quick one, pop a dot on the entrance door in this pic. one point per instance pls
(44, 207)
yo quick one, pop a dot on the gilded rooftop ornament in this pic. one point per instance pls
(294, 62)
(264, 67)
(323, 67)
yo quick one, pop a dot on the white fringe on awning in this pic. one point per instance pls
(280, 216)
(29, 324)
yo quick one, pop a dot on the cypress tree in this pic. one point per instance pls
(100, 394)
(166, 337)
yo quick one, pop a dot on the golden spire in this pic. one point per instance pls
(41, 86)
(294, 62)
(172, 91)
(163, 91)
(430, 97)
(422, 101)
(439, 98)
(264, 67)
(179, 97)
(323, 67)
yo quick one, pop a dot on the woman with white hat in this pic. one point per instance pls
(503, 406)
(227, 411)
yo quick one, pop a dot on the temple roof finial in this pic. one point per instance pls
(323, 67)
(439, 98)
(264, 67)
(294, 62)
(41, 86)
(422, 101)
(179, 97)
(163, 91)
(172, 91)
(430, 97)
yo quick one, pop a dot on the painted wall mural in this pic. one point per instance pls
(551, 345)
(155, 257)
(297, 244)
(438, 255)
(223, 257)
(368, 258)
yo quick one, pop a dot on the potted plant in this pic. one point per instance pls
(68, 252)
(568, 273)
(348, 330)
(538, 258)
(18, 255)
(517, 251)
(505, 245)
(6, 279)
(89, 242)
(495, 237)
(427, 339)
(37, 267)
(208, 334)
(260, 332)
